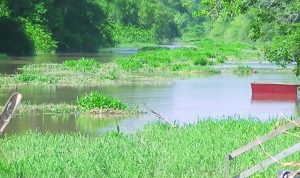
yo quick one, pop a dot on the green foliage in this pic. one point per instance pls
(4, 10)
(111, 75)
(209, 52)
(189, 151)
(201, 61)
(143, 20)
(82, 64)
(36, 77)
(131, 34)
(229, 29)
(277, 21)
(243, 70)
(50, 25)
(79, 26)
(98, 100)
(129, 64)
(14, 40)
(286, 49)
(42, 39)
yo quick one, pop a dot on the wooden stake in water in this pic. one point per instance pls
(9, 109)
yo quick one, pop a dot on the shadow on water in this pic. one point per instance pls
(57, 123)
(104, 55)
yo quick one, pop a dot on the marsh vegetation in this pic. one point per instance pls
(210, 34)
(157, 150)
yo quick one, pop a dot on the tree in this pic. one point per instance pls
(282, 16)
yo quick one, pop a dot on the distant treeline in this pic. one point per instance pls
(30, 27)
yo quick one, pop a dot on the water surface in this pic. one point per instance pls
(185, 101)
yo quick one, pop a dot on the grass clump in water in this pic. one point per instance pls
(243, 70)
(97, 100)
(36, 77)
(82, 64)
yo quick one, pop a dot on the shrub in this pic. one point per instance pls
(243, 70)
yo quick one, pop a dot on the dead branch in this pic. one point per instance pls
(159, 116)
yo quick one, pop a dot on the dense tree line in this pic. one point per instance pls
(45, 26)
(277, 21)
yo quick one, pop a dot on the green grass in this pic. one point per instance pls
(206, 52)
(166, 60)
(97, 100)
(158, 150)
(82, 64)
(36, 77)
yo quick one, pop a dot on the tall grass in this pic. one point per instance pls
(158, 150)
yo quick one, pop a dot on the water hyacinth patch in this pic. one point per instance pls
(157, 150)
(82, 64)
(32, 77)
(98, 100)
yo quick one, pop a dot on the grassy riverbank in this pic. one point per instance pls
(158, 150)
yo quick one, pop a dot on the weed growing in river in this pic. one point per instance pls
(36, 77)
(82, 64)
(243, 70)
(98, 100)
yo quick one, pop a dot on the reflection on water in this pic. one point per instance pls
(105, 55)
(185, 101)
(57, 123)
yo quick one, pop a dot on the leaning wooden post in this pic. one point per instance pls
(8, 110)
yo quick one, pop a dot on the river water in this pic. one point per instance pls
(184, 101)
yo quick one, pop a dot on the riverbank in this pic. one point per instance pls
(158, 150)
(149, 66)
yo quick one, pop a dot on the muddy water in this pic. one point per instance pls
(184, 101)
(104, 55)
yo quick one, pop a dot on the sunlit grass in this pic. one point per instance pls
(158, 150)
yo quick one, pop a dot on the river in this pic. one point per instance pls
(184, 101)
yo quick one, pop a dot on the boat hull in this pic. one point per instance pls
(271, 91)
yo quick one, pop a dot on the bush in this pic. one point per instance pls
(42, 39)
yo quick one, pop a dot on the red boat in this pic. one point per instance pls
(274, 91)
